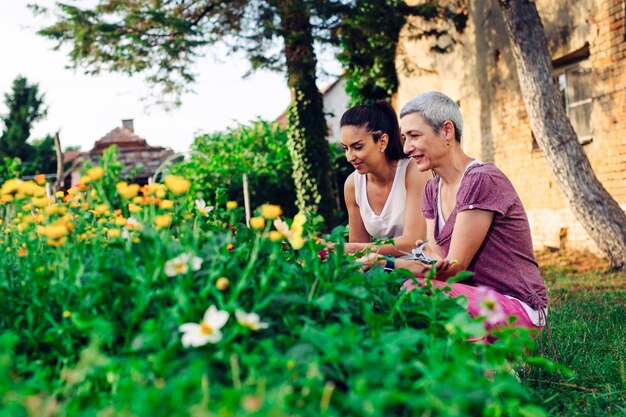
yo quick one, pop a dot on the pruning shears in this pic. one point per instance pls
(419, 255)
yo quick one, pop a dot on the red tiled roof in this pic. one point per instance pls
(121, 137)
(69, 156)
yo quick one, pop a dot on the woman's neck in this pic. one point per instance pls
(452, 170)
(383, 173)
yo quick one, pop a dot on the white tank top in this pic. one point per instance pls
(390, 222)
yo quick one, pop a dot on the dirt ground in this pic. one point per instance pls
(575, 261)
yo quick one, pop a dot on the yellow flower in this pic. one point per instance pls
(298, 223)
(7, 198)
(127, 191)
(120, 221)
(29, 218)
(166, 204)
(85, 179)
(55, 209)
(113, 233)
(11, 186)
(56, 242)
(297, 242)
(67, 314)
(27, 188)
(101, 209)
(271, 211)
(257, 223)
(222, 283)
(95, 173)
(41, 201)
(53, 231)
(177, 185)
(163, 221)
(293, 234)
(230, 205)
(134, 208)
(275, 235)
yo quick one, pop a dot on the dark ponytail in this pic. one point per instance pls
(378, 118)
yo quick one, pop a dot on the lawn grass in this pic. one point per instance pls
(587, 320)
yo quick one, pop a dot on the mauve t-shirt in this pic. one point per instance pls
(505, 261)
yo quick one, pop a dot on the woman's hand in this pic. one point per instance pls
(370, 259)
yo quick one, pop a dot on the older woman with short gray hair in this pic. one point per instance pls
(475, 220)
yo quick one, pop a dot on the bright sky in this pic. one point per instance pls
(85, 108)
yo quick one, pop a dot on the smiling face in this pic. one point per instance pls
(361, 150)
(427, 147)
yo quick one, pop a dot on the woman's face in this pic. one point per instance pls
(361, 150)
(422, 143)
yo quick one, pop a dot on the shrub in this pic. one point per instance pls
(219, 160)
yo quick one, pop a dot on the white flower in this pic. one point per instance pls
(489, 307)
(203, 208)
(207, 331)
(131, 224)
(180, 264)
(250, 320)
(283, 228)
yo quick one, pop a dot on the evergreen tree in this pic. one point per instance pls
(26, 106)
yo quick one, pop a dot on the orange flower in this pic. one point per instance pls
(22, 252)
(40, 179)
(222, 283)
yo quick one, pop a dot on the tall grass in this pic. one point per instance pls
(588, 326)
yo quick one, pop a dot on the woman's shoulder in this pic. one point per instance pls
(349, 183)
(485, 171)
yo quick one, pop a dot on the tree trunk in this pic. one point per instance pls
(597, 211)
(306, 129)
(57, 147)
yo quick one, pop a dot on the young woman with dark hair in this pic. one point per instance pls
(384, 194)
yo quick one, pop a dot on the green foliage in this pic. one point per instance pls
(26, 106)
(219, 160)
(43, 159)
(10, 168)
(90, 324)
(369, 54)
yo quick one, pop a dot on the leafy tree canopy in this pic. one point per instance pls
(368, 33)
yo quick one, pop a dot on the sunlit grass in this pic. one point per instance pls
(588, 328)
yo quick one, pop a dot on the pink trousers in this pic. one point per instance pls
(474, 294)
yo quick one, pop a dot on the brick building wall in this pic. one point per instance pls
(480, 75)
